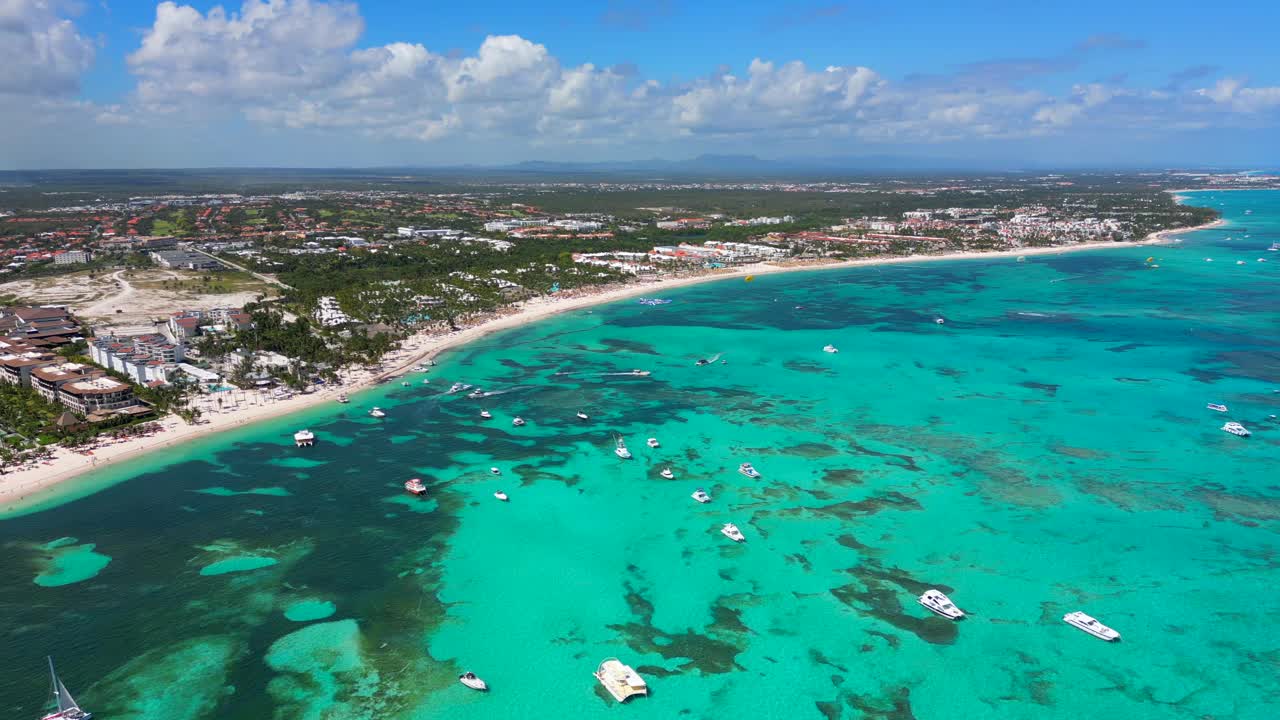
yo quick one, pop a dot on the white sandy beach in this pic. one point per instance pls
(25, 485)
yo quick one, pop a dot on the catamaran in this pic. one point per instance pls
(939, 603)
(620, 680)
(1090, 625)
(415, 486)
(620, 449)
(304, 438)
(67, 707)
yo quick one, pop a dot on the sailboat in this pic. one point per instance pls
(67, 707)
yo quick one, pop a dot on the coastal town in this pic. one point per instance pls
(127, 317)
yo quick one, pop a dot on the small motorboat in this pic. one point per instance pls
(830, 349)
(457, 388)
(652, 442)
(377, 412)
(939, 320)
(494, 471)
(486, 414)
(640, 373)
(304, 438)
(415, 486)
(620, 449)
(701, 496)
(475, 394)
(939, 603)
(620, 680)
(1090, 625)
(472, 681)
(500, 495)
(518, 422)
(1236, 428)
(404, 384)
(747, 469)
(426, 381)
(1239, 262)
(1217, 406)
(702, 362)
(732, 532)
(582, 415)
(343, 399)
(666, 473)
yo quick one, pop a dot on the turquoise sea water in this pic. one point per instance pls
(1047, 449)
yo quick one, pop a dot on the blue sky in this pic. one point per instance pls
(320, 82)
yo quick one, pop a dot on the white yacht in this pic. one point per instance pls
(620, 680)
(518, 422)
(457, 388)
(732, 532)
(1239, 262)
(939, 320)
(68, 708)
(473, 681)
(1090, 625)
(377, 412)
(486, 414)
(1236, 428)
(620, 449)
(500, 495)
(666, 473)
(494, 471)
(1217, 406)
(652, 442)
(939, 603)
(415, 486)
(475, 394)
(343, 399)
(582, 415)
(747, 469)
(701, 496)
(645, 373)
(830, 349)
(304, 438)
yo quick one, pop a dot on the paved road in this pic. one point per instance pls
(264, 278)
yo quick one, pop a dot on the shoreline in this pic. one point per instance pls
(24, 490)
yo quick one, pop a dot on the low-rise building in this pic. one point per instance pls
(186, 260)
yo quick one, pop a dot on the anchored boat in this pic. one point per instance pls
(747, 469)
(732, 532)
(304, 438)
(1090, 625)
(473, 681)
(620, 449)
(939, 603)
(620, 680)
(415, 487)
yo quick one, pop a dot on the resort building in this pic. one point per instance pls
(96, 395)
(42, 327)
(187, 324)
(72, 257)
(17, 365)
(48, 380)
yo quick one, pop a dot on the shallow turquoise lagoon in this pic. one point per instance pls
(1044, 450)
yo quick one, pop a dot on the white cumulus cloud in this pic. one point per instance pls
(42, 53)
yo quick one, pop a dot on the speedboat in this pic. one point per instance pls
(640, 373)
(941, 604)
(582, 415)
(666, 473)
(404, 384)
(500, 495)
(1217, 406)
(620, 680)
(486, 414)
(475, 394)
(494, 471)
(518, 422)
(701, 496)
(830, 349)
(702, 362)
(620, 449)
(1239, 262)
(472, 681)
(1090, 625)
(343, 399)
(304, 438)
(377, 412)
(732, 532)
(457, 388)
(748, 470)
(68, 709)
(415, 486)
(652, 442)
(1236, 428)
(939, 320)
